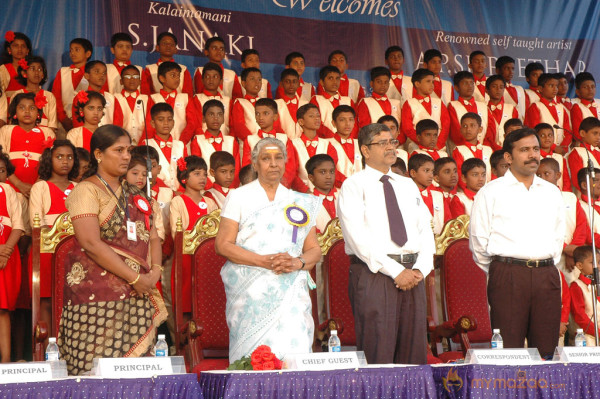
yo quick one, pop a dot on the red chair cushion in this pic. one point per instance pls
(338, 264)
(63, 250)
(211, 364)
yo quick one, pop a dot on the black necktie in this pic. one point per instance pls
(397, 228)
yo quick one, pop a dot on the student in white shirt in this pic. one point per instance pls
(516, 234)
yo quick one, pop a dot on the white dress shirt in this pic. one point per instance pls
(364, 221)
(509, 220)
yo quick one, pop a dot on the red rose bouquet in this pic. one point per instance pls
(261, 359)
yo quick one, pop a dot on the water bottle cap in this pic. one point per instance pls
(333, 332)
(161, 336)
(580, 330)
(496, 331)
(52, 340)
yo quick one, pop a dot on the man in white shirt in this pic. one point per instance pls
(516, 234)
(387, 229)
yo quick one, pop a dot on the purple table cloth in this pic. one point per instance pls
(184, 386)
(374, 383)
(557, 380)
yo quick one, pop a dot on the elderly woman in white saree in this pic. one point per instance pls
(268, 235)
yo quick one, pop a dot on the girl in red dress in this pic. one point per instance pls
(57, 169)
(10, 262)
(192, 173)
(89, 109)
(16, 47)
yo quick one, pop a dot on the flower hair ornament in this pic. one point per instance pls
(40, 99)
(23, 64)
(9, 36)
(81, 98)
(181, 164)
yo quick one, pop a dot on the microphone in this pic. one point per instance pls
(148, 161)
(590, 165)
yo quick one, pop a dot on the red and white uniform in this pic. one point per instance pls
(545, 111)
(219, 194)
(418, 108)
(10, 218)
(346, 156)
(532, 95)
(515, 95)
(129, 114)
(578, 158)
(305, 91)
(24, 149)
(162, 195)
(457, 109)
(401, 88)
(370, 109)
(438, 207)
(49, 115)
(348, 88)
(582, 109)
(403, 155)
(576, 230)
(442, 89)
(8, 81)
(80, 137)
(201, 98)
(467, 151)
(432, 152)
(566, 101)
(150, 83)
(462, 203)
(243, 118)
(67, 83)
(327, 104)
(250, 142)
(304, 149)
(239, 91)
(226, 86)
(169, 151)
(113, 75)
(287, 108)
(582, 307)
(565, 182)
(205, 144)
(182, 108)
(480, 94)
(584, 202)
(3, 107)
(109, 111)
(499, 114)
(327, 209)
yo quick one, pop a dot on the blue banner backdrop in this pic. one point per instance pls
(562, 35)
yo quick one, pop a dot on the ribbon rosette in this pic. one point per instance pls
(23, 64)
(40, 99)
(9, 36)
(144, 206)
(181, 164)
(297, 217)
(81, 98)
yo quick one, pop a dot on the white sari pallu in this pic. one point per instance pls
(264, 308)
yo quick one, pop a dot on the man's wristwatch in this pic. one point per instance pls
(303, 262)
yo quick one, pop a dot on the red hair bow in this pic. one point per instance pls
(40, 100)
(181, 164)
(81, 98)
(23, 64)
(48, 143)
(9, 36)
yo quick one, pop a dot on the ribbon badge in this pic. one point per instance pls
(297, 217)
(144, 206)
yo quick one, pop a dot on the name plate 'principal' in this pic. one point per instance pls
(132, 367)
(516, 356)
(324, 361)
(575, 354)
(25, 372)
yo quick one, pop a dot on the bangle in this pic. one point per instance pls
(161, 268)
(303, 262)
(136, 280)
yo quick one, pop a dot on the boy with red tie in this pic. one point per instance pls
(95, 74)
(321, 172)
(289, 102)
(563, 89)
(442, 89)
(500, 112)
(69, 80)
(423, 106)
(594, 201)
(212, 77)
(445, 174)
(121, 45)
(129, 113)
(250, 59)
(392, 123)
(470, 129)
(372, 108)
(223, 170)
(585, 105)
(295, 61)
(166, 46)
(580, 290)
(214, 49)
(514, 94)
(308, 144)
(427, 137)
(242, 118)
(400, 85)
(589, 130)
(212, 139)
(420, 168)
(533, 70)
(550, 112)
(184, 112)
(473, 172)
(329, 99)
(169, 149)
(464, 84)
(348, 87)
(478, 65)
(545, 133)
(344, 149)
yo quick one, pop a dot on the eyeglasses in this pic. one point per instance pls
(385, 143)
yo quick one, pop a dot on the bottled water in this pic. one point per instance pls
(335, 344)
(497, 342)
(161, 349)
(52, 350)
(580, 338)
